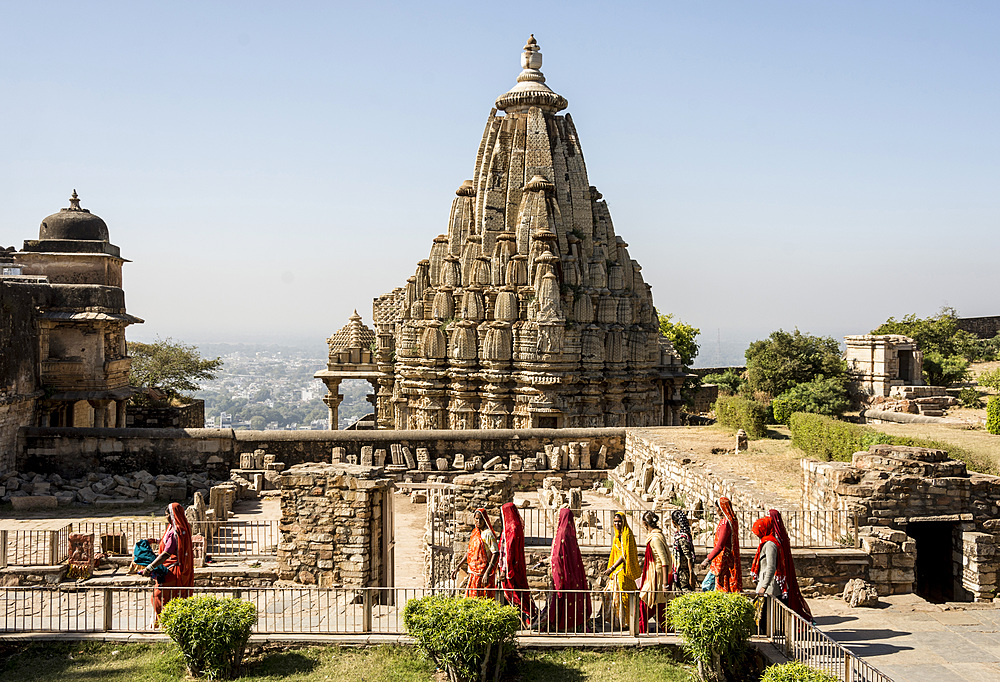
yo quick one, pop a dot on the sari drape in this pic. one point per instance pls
(622, 581)
(796, 602)
(726, 565)
(569, 605)
(180, 566)
(478, 557)
(513, 568)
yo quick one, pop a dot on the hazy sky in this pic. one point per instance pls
(269, 167)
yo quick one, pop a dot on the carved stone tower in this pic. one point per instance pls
(529, 312)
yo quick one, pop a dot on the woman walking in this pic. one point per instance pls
(481, 558)
(176, 555)
(622, 571)
(789, 582)
(569, 605)
(656, 567)
(725, 556)
(682, 578)
(513, 569)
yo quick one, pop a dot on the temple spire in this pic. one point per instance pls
(74, 202)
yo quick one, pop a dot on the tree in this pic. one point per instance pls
(784, 360)
(819, 396)
(171, 367)
(684, 337)
(941, 370)
(257, 423)
(936, 334)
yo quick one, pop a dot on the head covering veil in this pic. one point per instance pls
(624, 547)
(796, 601)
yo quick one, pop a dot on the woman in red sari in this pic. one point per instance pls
(176, 554)
(481, 557)
(725, 556)
(569, 605)
(513, 569)
(788, 582)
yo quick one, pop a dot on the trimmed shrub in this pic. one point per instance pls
(211, 632)
(828, 439)
(796, 672)
(728, 381)
(993, 415)
(715, 627)
(735, 412)
(470, 638)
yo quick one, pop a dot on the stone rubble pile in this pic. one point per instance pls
(98, 488)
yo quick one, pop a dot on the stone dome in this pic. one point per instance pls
(74, 223)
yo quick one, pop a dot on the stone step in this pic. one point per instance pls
(120, 502)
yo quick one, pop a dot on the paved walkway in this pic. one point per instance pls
(912, 640)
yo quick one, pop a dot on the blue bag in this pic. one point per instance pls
(708, 584)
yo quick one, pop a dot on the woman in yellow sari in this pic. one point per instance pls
(623, 569)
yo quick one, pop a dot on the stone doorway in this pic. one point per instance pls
(935, 567)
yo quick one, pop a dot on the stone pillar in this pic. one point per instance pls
(333, 400)
(331, 519)
(100, 412)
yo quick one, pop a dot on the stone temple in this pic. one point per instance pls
(529, 312)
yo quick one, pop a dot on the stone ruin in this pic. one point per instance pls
(929, 525)
(258, 473)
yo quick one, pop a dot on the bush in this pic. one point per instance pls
(715, 627)
(944, 370)
(969, 397)
(735, 412)
(781, 409)
(470, 638)
(831, 439)
(795, 672)
(990, 379)
(819, 396)
(786, 359)
(211, 632)
(729, 381)
(993, 415)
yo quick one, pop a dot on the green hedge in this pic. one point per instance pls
(735, 412)
(993, 415)
(471, 638)
(831, 439)
(795, 672)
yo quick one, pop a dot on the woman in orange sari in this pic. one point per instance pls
(176, 555)
(482, 558)
(725, 556)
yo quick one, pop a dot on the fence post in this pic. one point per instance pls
(633, 614)
(109, 610)
(857, 537)
(366, 614)
(3, 549)
(53, 547)
(848, 676)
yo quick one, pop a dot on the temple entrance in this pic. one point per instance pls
(906, 366)
(935, 569)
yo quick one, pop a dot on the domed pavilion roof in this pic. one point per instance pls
(74, 223)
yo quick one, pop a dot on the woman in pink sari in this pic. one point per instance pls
(176, 554)
(569, 605)
(513, 569)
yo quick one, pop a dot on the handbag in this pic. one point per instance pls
(708, 584)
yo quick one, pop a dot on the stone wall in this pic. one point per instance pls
(189, 416)
(15, 412)
(332, 518)
(74, 452)
(18, 363)
(983, 327)
(71, 451)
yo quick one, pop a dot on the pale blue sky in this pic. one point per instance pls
(269, 167)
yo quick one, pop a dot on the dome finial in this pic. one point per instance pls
(74, 202)
(531, 89)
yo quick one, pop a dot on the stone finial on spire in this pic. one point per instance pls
(531, 90)
(74, 202)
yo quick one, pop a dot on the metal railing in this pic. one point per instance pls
(806, 529)
(34, 547)
(295, 610)
(802, 641)
(222, 538)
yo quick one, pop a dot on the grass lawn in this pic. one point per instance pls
(110, 662)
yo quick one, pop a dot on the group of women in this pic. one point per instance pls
(497, 564)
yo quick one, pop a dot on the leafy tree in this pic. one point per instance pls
(990, 379)
(171, 367)
(683, 336)
(936, 334)
(786, 359)
(257, 423)
(941, 370)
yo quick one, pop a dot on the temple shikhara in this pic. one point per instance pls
(529, 312)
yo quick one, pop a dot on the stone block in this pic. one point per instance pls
(411, 461)
(380, 458)
(442, 464)
(367, 458)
